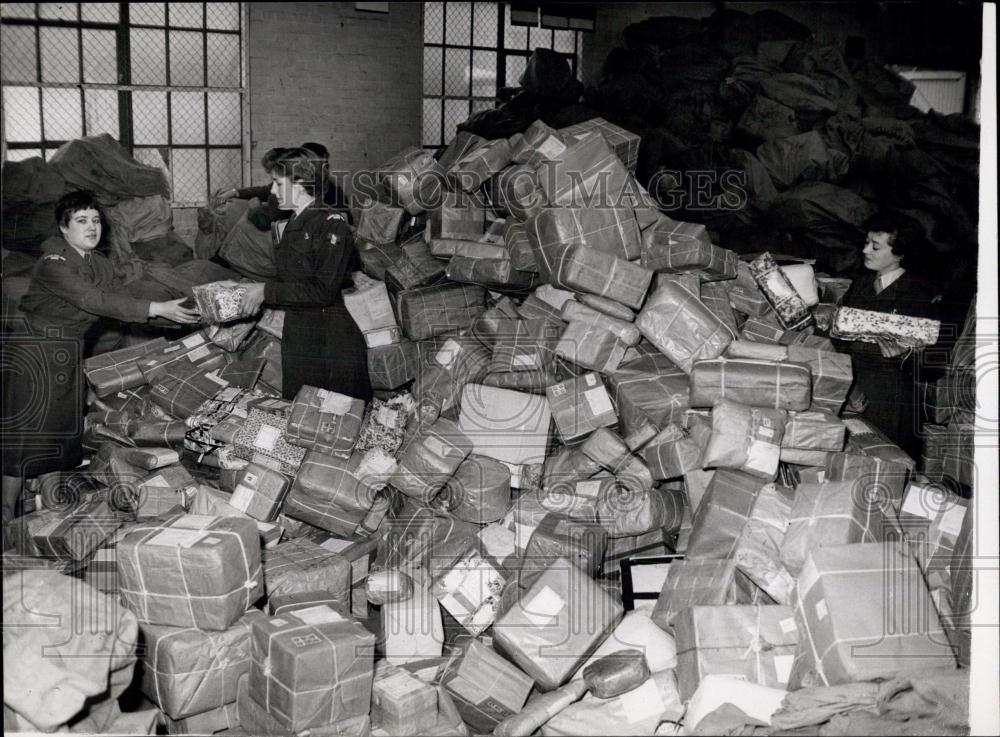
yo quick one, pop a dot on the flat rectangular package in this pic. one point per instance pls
(681, 327)
(579, 406)
(301, 565)
(867, 326)
(780, 385)
(814, 430)
(261, 437)
(722, 514)
(191, 570)
(582, 269)
(505, 425)
(429, 311)
(587, 174)
(542, 632)
(624, 143)
(187, 671)
(114, 371)
(259, 492)
(675, 247)
(486, 688)
(848, 598)
(700, 582)
(612, 230)
(312, 667)
(73, 535)
(655, 391)
(325, 421)
(590, 347)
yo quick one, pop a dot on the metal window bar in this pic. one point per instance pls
(501, 51)
(47, 141)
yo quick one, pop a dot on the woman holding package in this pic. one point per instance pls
(885, 372)
(321, 345)
(72, 287)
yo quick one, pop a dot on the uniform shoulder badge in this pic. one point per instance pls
(53, 257)
(334, 216)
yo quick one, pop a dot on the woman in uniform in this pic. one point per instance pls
(72, 287)
(321, 345)
(885, 372)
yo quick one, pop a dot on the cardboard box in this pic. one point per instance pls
(508, 426)
(402, 704)
(848, 598)
(486, 688)
(556, 623)
(191, 570)
(312, 667)
(703, 336)
(189, 671)
(753, 643)
(778, 385)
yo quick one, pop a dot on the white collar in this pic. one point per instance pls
(890, 276)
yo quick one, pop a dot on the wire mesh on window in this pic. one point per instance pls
(433, 23)
(455, 112)
(187, 117)
(186, 15)
(514, 69)
(223, 16)
(99, 12)
(458, 24)
(147, 14)
(187, 59)
(62, 113)
(223, 118)
(57, 11)
(100, 56)
(17, 10)
(18, 54)
(223, 60)
(484, 24)
(149, 56)
(60, 55)
(149, 118)
(22, 115)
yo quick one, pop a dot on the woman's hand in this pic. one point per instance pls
(252, 299)
(173, 311)
(890, 348)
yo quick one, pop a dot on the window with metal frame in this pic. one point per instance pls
(471, 51)
(165, 79)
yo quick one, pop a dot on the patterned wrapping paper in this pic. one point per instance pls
(336, 494)
(700, 582)
(674, 247)
(590, 347)
(259, 492)
(231, 401)
(486, 688)
(745, 438)
(715, 297)
(479, 491)
(187, 671)
(681, 327)
(722, 514)
(217, 302)
(414, 177)
(261, 437)
(391, 366)
(115, 371)
(384, 424)
(754, 643)
(518, 191)
(613, 231)
(586, 174)
(182, 389)
(843, 612)
(470, 589)
(312, 667)
(431, 459)
(579, 406)
(74, 534)
(537, 144)
(479, 164)
(579, 312)
(778, 385)
(758, 548)
(191, 570)
(674, 452)
(301, 565)
(524, 345)
(378, 222)
(492, 273)
(824, 315)
(791, 309)
(624, 143)
(744, 294)
(814, 431)
(325, 421)
(538, 633)
(436, 310)
(867, 326)
(518, 245)
(828, 513)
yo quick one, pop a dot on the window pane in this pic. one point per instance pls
(100, 57)
(515, 37)
(224, 16)
(484, 29)
(458, 23)
(149, 57)
(154, 157)
(223, 60)
(62, 114)
(432, 71)
(432, 123)
(187, 59)
(484, 73)
(563, 42)
(22, 120)
(20, 154)
(190, 178)
(186, 15)
(187, 117)
(147, 14)
(17, 57)
(17, 10)
(60, 55)
(456, 72)
(223, 118)
(515, 68)
(149, 118)
(225, 169)
(99, 12)
(433, 23)
(539, 37)
(455, 112)
(102, 112)
(57, 11)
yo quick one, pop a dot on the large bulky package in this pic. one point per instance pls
(480, 490)
(624, 143)
(301, 566)
(505, 425)
(931, 518)
(652, 390)
(486, 688)
(814, 430)
(745, 438)
(459, 216)
(681, 327)
(586, 174)
(723, 514)
(402, 704)
(574, 311)
(492, 273)
(325, 421)
(117, 370)
(780, 385)
(579, 406)
(312, 667)
(431, 459)
(582, 269)
(538, 633)
(590, 347)
(537, 144)
(391, 366)
(674, 247)
(259, 492)
(191, 570)
(674, 451)
(436, 310)
(700, 582)
(881, 481)
(415, 178)
(758, 548)
(613, 230)
(207, 722)
(181, 389)
(71, 534)
(479, 164)
(255, 719)
(378, 222)
(523, 345)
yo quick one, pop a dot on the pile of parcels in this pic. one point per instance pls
(606, 486)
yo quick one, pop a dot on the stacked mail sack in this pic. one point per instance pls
(563, 390)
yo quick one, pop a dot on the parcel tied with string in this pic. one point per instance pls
(191, 570)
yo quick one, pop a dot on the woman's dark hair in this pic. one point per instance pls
(272, 155)
(72, 202)
(317, 148)
(906, 236)
(304, 167)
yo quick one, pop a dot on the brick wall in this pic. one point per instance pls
(325, 72)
